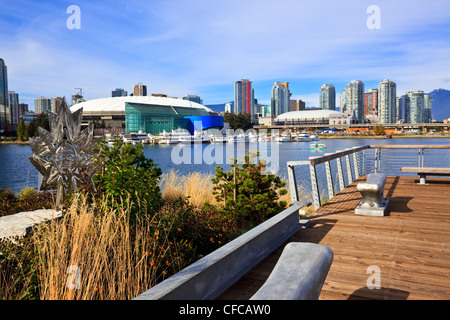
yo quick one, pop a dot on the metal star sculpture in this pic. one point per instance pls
(64, 156)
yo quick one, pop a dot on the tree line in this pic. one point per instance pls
(25, 131)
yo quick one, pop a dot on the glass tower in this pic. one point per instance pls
(244, 97)
(327, 97)
(3, 96)
(354, 96)
(280, 98)
(387, 101)
(399, 109)
(427, 109)
(414, 106)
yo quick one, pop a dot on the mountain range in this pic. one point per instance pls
(440, 104)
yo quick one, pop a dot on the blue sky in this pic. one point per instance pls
(180, 47)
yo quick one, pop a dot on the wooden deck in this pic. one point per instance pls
(410, 245)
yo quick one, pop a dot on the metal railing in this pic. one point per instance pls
(388, 159)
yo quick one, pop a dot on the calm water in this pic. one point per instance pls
(17, 172)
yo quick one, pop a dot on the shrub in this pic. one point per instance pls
(28, 200)
(26, 193)
(126, 174)
(248, 194)
(195, 231)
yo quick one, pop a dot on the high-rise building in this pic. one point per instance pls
(296, 105)
(343, 101)
(354, 99)
(139, 90)
(427, 109)
(119, 92)
(399, 109)
(13, 107)
(387, 100)
(280, 98)
(3, 96)
(371, 103)
(243, 97)
(56, 104)
(414, 106)
(42, 105)
(327, 97)
(23, 108)
(193, 98)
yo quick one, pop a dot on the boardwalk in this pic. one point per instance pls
(410, 246)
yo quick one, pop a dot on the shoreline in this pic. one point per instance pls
(419, 136)
(384, 137)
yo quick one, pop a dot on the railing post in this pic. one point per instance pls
(292, 179)
(356, 165)
(340, 174)
(377, 158)
(349, 169)
(315, 186)
(292, 183)
(329, 180)
(421, 161)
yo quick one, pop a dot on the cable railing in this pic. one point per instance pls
(332, 172)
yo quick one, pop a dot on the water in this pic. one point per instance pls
(17, 172)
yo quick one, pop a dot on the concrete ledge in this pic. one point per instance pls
(299, 273)
(210, 276)
(21, 224)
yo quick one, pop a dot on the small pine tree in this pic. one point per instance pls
(248, 194)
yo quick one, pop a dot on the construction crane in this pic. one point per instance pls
(81, 90)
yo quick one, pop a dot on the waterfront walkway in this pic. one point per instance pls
(409, 247)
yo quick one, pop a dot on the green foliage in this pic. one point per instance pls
(26, 193)
(249, 195)
(238, 121)
(28, 200)
(193, 231)
(22, 131)
(126, 175)
(379, 130)
(19, 270)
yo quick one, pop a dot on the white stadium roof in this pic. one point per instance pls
(116, 105)
(307, 114)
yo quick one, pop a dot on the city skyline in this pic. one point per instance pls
(197, 48)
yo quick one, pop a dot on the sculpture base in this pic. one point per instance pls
(373, 211)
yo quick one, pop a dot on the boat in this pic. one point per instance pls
(253, 137)
(285, 137)
(135, 137)
(218, 138)
(242, 138)
(303, 137)
(318, 147)
(314, 137)
(198, 137)
(173, 137)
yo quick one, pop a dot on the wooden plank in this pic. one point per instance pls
(411, 245)
(418, 146)
(425, 169)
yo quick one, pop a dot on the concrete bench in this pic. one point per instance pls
(299, 273)
(423, 172)
(373, 203)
